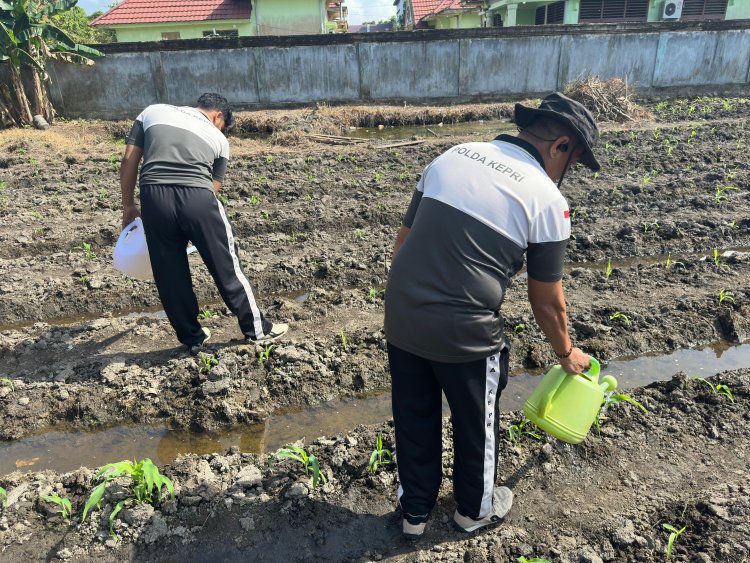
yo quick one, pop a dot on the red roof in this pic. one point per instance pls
(157, 11)
(424, 8)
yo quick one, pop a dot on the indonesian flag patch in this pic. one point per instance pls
(566, 214)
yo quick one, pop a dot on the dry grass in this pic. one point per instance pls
(609, 100)
(290, 126)
(62, 138)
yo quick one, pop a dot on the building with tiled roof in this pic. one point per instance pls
(441, 14)
(155, 20)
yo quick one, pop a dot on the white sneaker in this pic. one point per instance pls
(195, 348)
(502, 500)
(277, 331)
(412, 532)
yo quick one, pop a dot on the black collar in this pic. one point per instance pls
(525, 145)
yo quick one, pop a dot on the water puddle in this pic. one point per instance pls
(62, 451)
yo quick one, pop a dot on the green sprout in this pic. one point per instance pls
(8, 383)
(264, 215)
(733, 225)
(647, 226)
(518, 329)
(523, 559)
(718, 389)
(403, 177)
(87, 252)
(359, 233)
(103, 194)
(208, 362)
(344, 341)
(725, 295)
(36, 215)
(671, 262)
(146, 483)
(66, 509)
(84, 279)
(517, 431)
(222, 198)
(619, 315)
(206, 314)
(373, 294)
(309, 462)
(608, 273)
(378, 177)
(717, 260)
(265, 354)
(3, 497)
(379, 456)
(613, 399)
(269, 159)
(254, 200)
(675, 533)
(646, 179)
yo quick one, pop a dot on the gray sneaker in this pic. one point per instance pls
(277, 331)
(195, 348)
(412, 532)
(502, 500)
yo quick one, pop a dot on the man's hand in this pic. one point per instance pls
(129, 214)
(577, 362)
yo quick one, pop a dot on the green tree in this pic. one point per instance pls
(28, 38)
(77, 25)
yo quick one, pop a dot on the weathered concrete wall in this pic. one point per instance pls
(440, 65)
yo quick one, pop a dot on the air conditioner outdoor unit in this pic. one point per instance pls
(672, 10)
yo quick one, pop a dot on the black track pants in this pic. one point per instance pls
(174, 215)
(473, 392)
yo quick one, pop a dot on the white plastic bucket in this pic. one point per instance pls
(131, 252)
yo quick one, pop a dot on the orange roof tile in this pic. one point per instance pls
(157, 11)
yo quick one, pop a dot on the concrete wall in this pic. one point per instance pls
(413, 67)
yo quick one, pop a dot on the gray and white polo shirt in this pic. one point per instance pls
(476, 210)
(180, 147)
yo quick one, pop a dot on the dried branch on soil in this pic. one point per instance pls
(608, 100)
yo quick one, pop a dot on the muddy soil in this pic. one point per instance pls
(684, 463)
(660, 236)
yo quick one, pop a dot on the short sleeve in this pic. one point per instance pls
(219, 169)
(136, 135)
(549, 233)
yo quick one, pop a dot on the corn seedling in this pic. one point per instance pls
(518, 329)
(265, 354)
(103, 194)
(3, 497)
(733, 225)
(619, 315)
(114, 162)
(359, 233)
(674, 534)
(87, 252)
(523, 559)
(344, 341)
(309, 462)
(524, 428)
(671, 263)
(84, 280)
(378, 177)
(208, 362)
(373, 294)
(223, 199)
(608, 272)
(725, 295)
(66, 508)
(613, 399)
(206, 314)
(646, 180)
(403, 177)
(596, 175)
(379, 456)
(269, 159)
(7, 382)
(146, 483)
(656, 133)
(650, 226)
(718, 389)
(36, 215)
(254, 200)
(264, 215)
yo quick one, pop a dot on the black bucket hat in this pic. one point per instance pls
(569, 112)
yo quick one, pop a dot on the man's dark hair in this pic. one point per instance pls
(549, 128)
(211, 101)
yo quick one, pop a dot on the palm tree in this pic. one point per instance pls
(29, 39)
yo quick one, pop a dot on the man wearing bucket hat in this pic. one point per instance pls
(476, 211)
(185, 155)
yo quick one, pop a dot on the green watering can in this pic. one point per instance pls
(565, 406)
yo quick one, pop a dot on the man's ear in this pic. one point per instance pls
(561, 146)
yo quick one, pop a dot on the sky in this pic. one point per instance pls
(359, 10)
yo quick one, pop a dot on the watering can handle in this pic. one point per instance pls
(546, 400)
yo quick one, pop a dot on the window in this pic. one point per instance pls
(704, 9)
(221, 33)
(550, 14)
(169, 35)
(497, 20)
(614, 10)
